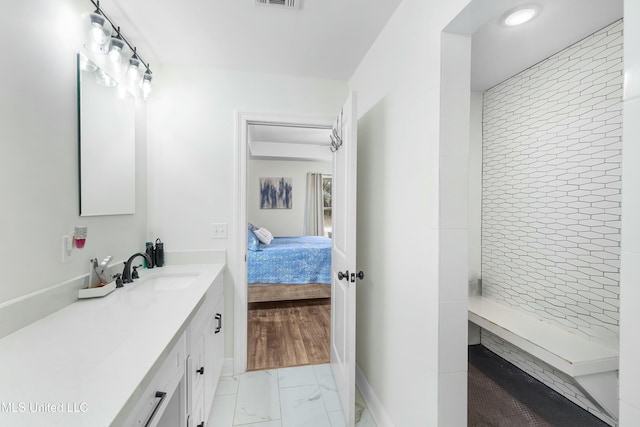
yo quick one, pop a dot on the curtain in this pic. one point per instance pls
(314, 213)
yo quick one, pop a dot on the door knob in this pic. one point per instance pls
(344, 275)
(359, 275)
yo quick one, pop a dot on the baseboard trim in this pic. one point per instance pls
(227, 367)
(378, 413)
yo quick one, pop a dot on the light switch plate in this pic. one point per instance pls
(219, 231)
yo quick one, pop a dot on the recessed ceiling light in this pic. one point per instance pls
(520, 15)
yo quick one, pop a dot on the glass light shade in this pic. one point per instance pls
(135, 64)
(145, 84)
(103, 79)
(135, 69)
(86, 64)
(119, 54)
(97, 32)
(116, 50)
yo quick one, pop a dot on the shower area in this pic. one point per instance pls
(545, 183)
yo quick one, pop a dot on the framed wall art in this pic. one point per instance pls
(276, 193)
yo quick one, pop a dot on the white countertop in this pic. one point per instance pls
(79, 366)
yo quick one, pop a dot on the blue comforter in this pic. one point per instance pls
(291, 260)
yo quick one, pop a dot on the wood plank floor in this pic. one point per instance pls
(288, 333)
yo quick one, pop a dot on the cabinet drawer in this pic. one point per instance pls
(161, 388)
(201, 317)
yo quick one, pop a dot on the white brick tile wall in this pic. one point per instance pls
(551, 197)
(551, 186)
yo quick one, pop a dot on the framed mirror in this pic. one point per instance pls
(106, 143)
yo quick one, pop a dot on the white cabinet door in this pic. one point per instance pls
(214, 350)
(218, 337)
(207, 354)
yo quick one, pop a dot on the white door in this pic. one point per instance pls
(343, 260)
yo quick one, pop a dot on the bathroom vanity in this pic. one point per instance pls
(150, 353)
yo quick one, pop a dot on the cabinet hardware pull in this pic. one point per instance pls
(219, 320)
(200, 371)
(159, 395)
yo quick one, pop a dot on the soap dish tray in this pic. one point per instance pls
(98, 291)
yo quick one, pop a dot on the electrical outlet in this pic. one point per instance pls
(219, 231)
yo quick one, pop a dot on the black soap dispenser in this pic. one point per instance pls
(159, 253)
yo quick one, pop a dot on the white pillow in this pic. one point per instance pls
(263, 235)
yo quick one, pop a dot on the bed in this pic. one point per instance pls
(290, 268)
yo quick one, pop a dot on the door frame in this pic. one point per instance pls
(239, 244)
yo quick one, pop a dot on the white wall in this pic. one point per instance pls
(475, 186)
(630, 256)
(39, 155)
(281, 222)
(475, 206)
(398, 321)
(192, 148)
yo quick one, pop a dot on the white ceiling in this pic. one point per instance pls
(328, 38)
(499, 52)
(323, 39)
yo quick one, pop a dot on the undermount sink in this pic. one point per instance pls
(164, 282)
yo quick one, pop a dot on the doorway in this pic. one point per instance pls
(289, 276)
(343, 146)
(271, 331)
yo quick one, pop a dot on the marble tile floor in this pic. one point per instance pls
(302, 396)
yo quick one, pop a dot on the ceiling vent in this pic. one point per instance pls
(289, 4)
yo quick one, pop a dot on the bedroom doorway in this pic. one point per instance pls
(343, 277)
(289, 275)
(287, 323)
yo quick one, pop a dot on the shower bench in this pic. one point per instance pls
(591, 363)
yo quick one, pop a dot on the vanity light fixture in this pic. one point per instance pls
(134, 63)
(117, 49)
(100, 28)
(145, 85)
(520, 15)
(99, 31)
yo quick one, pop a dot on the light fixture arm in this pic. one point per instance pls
(99, 11)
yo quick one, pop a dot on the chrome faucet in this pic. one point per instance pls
(126, 273)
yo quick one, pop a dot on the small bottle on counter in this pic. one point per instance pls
(151, 252)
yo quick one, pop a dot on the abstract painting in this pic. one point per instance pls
(276, 193)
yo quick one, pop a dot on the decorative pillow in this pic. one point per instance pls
(252, 227)
(253, 243)
(263, 235)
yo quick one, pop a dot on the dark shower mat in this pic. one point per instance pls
(502, 395)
